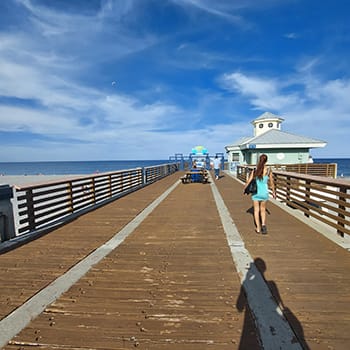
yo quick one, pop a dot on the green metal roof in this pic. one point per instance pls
(281, 137)
(274, 138)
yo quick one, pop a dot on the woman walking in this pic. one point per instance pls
(263, 176)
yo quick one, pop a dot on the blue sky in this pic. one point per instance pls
(145, 79)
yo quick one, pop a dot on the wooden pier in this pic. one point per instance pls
(177, 266)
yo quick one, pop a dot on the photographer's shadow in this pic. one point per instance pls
(248, 334)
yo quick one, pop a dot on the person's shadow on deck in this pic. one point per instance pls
(249, 335)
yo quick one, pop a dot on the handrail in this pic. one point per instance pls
(44, 204)
(323, 198)
(318, 169)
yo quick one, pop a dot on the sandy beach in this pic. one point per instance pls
(20, 180)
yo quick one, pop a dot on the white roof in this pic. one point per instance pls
(268, 115)
(278, 139)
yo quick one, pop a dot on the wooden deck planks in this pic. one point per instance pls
(33, 266)
(172, 284)
(308, 273)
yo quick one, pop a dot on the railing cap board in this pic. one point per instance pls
(69, 178)
(315, 178)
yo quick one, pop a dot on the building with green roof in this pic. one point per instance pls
(281, 147)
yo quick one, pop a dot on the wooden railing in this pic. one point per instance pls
(54, 202)
(317, 169)
(326, 199)
(154, 173)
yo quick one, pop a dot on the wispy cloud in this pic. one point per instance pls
(291, 35)
(187, 72)
(264, 94)
(320, 106)
(218, 8)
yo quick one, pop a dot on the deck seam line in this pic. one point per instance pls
(17, 320)
(274, 330)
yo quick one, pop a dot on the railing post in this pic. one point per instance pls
(144, 178)
(30, 210)
(7, 223)
(288, 196)
(70, 196)
(274, 180)
(93, 187)
(341, 207)
(110, 186)
(307, 195)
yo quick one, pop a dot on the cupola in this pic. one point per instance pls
(267, 121)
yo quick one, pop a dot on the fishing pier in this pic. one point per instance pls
(138, 259)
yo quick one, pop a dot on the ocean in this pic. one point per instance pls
(73, 167)
(91, 167)
(343, 168)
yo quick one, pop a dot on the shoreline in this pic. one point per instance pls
(20, 180)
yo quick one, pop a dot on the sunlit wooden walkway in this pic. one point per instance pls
(172, 283)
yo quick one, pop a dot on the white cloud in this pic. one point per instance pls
(333, 93)
(218, 8)
(321, 112)
(291, 35)
(72, 40)
(263, 93)
(250, 86)
(53, 69)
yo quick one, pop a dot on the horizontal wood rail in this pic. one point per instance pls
(154, 173)
(317, 169)
(48, 203)
(324, 198)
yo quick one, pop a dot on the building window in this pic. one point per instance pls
(235, 157)
(261, 126)
(270, 125)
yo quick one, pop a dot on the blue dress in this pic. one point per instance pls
(262, 193)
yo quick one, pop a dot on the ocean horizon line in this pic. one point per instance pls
(134, 159)
(83, 161)
(82, 167)
(73, 167)
(315, 159)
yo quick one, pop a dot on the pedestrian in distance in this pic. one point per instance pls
(264, 179)
(216, 165)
